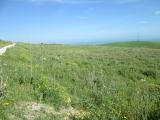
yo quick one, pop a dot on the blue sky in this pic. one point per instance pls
(71, 21)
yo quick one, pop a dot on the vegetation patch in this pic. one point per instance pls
(4, 43)
(96, 82)
(34, 111)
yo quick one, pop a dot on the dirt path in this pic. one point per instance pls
(3, 49)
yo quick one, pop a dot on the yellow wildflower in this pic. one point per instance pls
(6, 104)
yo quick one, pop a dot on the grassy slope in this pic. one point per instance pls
(4, 43)
(108, 82)
(136, 44)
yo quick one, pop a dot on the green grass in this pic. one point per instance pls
(136, 44)
(100, 82)
(4, 43)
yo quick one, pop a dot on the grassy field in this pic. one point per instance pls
(146, 44)
(4, 43)
(65, 82)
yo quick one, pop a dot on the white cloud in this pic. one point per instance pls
(143, 22)
(126, 1)
(90, 9)
(44, 1)
(81, 17)
(82, 1)
(157, 12)
(67, 1)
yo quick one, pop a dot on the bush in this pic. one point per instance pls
(150, 73)
(51, 92)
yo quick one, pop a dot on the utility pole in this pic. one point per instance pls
(30, 49)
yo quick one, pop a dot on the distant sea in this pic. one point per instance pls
(85, 41)
(92, 42)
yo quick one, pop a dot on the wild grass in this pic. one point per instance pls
(147, 44)
(4, 43)
(101, 82)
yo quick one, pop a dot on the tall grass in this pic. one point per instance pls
(4, 43)
(107, 82)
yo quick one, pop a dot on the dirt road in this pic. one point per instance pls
(3, 49)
